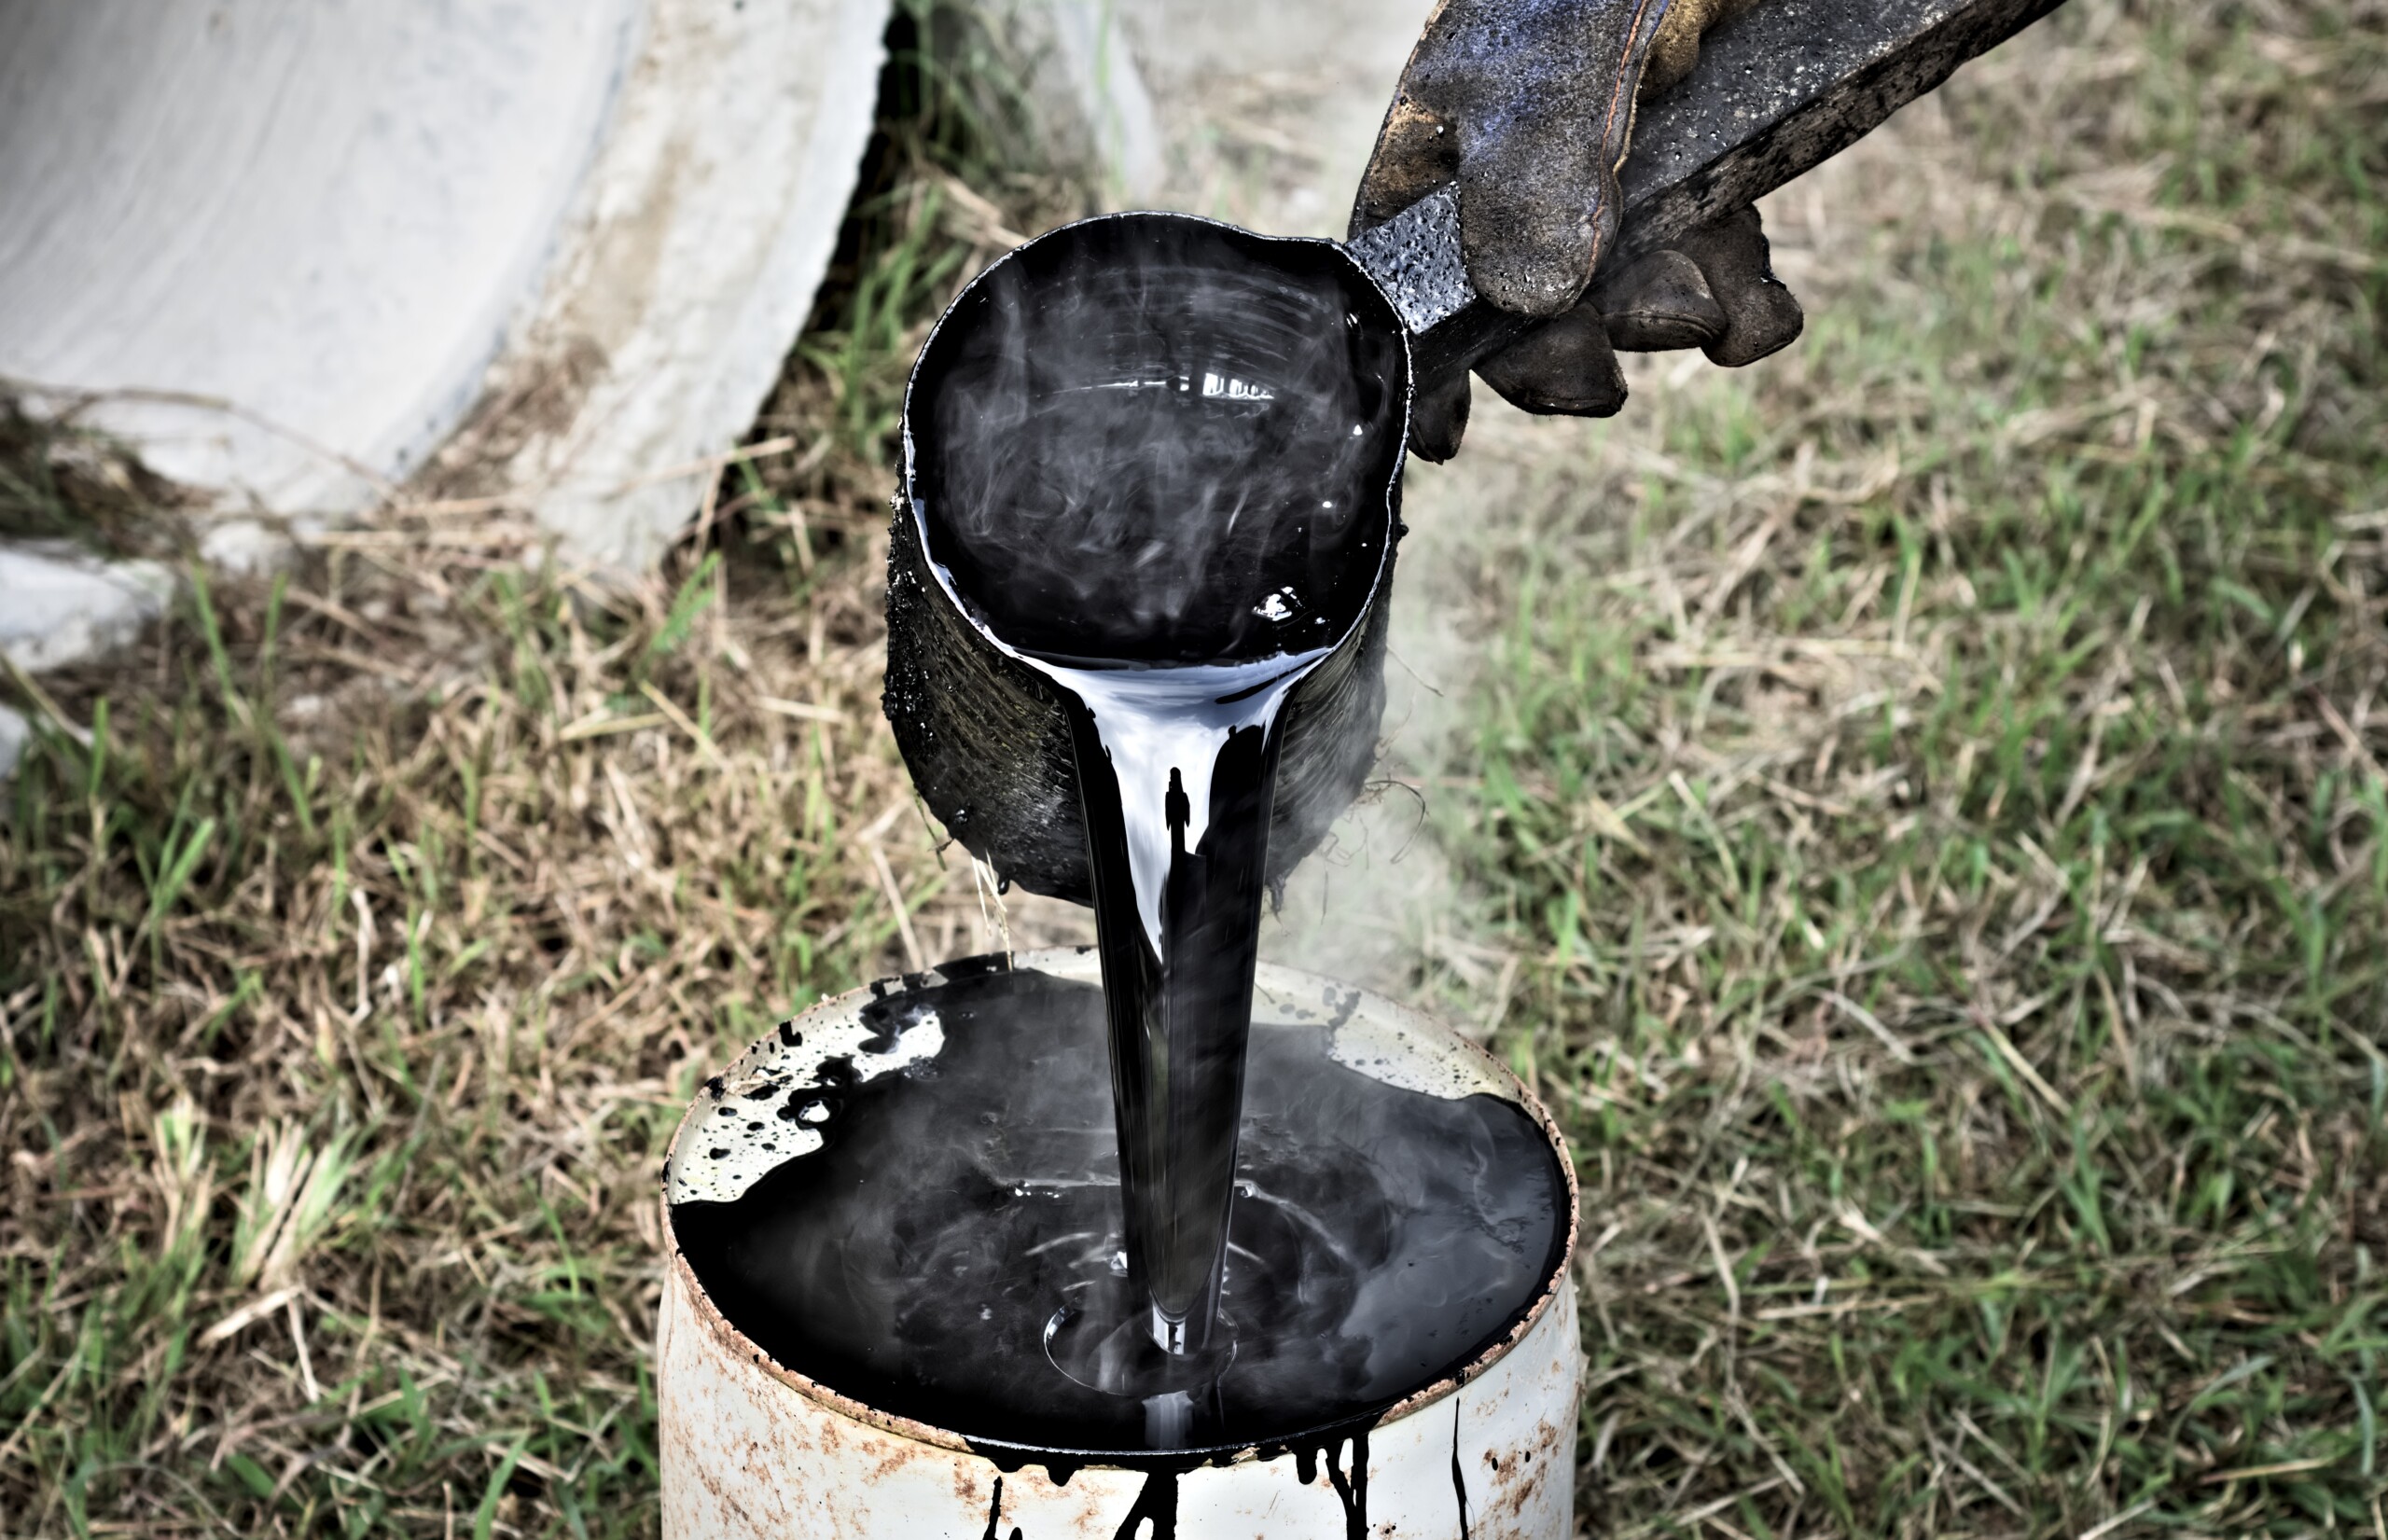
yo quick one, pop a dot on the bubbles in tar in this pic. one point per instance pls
(1381, 1238)
(1152, 438)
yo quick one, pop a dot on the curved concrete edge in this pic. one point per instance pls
(1095, 110)
(293, 249)
(690, 265)
(281, 240)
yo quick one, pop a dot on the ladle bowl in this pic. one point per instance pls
(1262, 521)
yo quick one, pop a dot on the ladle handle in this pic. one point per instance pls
(1787, 84)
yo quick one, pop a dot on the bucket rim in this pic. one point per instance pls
(1080, 962)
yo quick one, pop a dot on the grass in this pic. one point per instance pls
(61, 481)
(1927, 790)
(1933, 787)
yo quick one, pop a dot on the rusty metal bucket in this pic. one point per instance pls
(750, 1447)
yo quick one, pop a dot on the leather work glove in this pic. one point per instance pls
(1529, 105)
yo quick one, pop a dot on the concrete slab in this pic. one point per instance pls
(294, 244)
(14, 734)
(59, 604)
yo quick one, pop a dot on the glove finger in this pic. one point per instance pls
(1675, 47)
(1547, 125)
(1532, 105)
(1661, 302)
(1416, 153)
(1761, 316)
(1438, 418)
(1536, 209)
(1564, 368)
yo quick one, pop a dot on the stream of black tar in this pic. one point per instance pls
(1155, 462)
(1381, 1238)
(1153, 458)
(1176, 770)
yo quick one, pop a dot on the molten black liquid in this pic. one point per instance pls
(1153, 458)
(1381, 1238)
(1176, 771)
(1155, 462)
(1155, 440)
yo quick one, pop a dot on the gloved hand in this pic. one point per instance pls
(1529, 105)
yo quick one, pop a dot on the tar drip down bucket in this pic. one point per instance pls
(1148, 1240)
(891, 1387)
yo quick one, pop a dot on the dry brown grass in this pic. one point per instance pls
(561, 848)
(1929, 789)
(1893, 903)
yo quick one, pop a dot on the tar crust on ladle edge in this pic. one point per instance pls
(1153, 461)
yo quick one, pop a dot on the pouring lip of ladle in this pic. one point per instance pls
(1079, 962)
(914, 507)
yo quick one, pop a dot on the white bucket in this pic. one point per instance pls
(751, 1448)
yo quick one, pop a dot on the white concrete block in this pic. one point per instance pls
(14, 734)
(59, 604)
(295, 242)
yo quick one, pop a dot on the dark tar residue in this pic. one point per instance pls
(1154, 458)
(1382, 1240)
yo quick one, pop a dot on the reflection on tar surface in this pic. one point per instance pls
(965, 1206)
